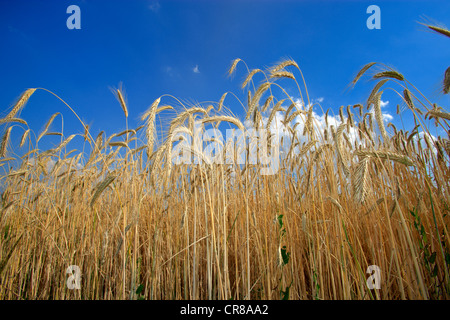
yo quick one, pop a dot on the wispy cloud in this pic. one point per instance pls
(154, 6)
(383, 103)
(169, 70)
(195, 69)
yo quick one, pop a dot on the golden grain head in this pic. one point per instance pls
(389, 74)
(441, 30)
(446, 82)
(5, 141)
(121, 99)
(233, 66)
(21, 102)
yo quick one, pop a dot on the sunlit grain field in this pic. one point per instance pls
(353, 193)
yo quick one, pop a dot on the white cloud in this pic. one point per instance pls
(195, 69)
(383, 103)
(319, 123)
(386, 116)
(422, 137)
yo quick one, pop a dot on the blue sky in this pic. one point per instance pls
(184, 48)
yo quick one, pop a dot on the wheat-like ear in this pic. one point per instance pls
(164, 108)
(341, 114)
(54, 134)
(101, 186)
(362, 71)
(389, 74)
(326, 118)
(439, 145)
(229, 119)
(336, 203)
(24, 137)
(47, 125)
(386, 155)
(273, 112)
(8, 120)
(5, 141)
(222, 99)
(316, 156)
(379, 116)
(121, 99)
(309, 121)
(350, 117)
(306, 148)
(210, 107)
(179, 120)
(390, 124)
(282, 74)
(283, 65)
(256, 97)
(153, 107)
(267, 103)
(293, 115)
(257, 119)
(436, 113)
(374, 92)
(21, 102)
(440, 30)
(157, 159)
(360, 107)
(325, 134)
(133, 132)
(428, 141)
(118, 144)
(98, 145)
(377, 203)
(7, 159)
(446, 146)
(168, 165)
(149, 116)
(139, 128)
(347, 140)
(446, 82)
(286, 114)
(110, 138)
(361, 179)
(65, 142)
(233, 66)
(249, 77)
(86, 133)
(99, 140)
(337, 138)
(408, 99)
(320, 149)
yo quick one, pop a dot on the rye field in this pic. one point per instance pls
(356, 208)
